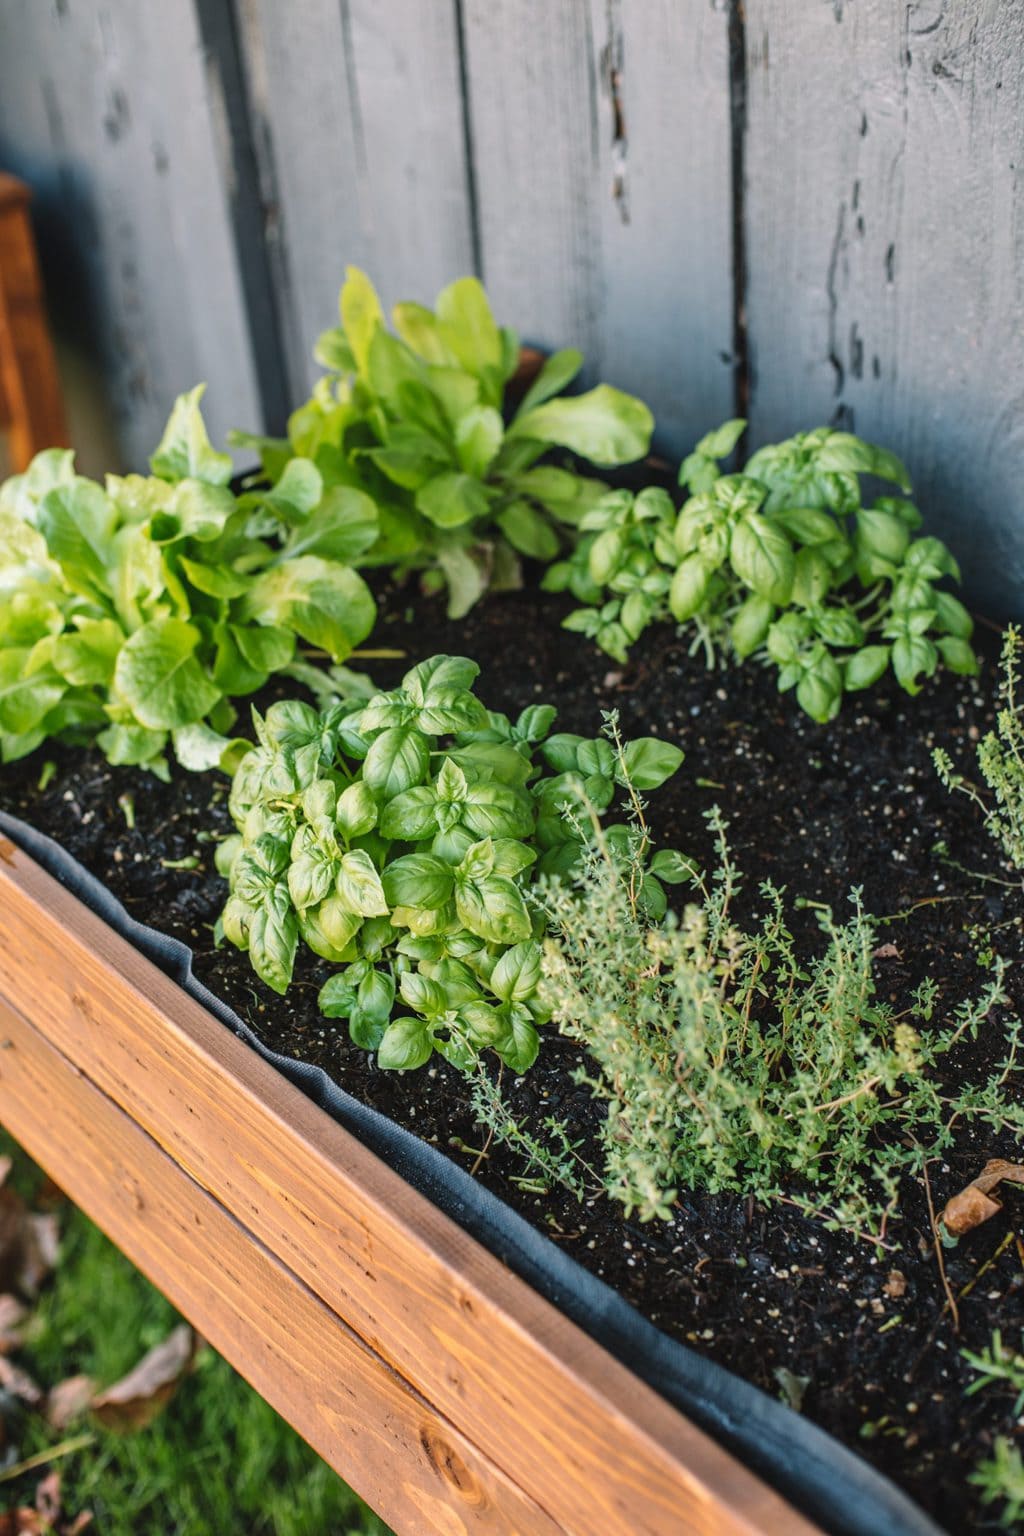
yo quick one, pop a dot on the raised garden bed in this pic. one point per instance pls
(308, 1261)
(746, 1113)
(448, 1393)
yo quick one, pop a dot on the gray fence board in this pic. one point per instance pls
(885, 238)
(108, 111)
(360, 131)
(605, 205)
(205, 169)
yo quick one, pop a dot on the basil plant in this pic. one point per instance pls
(785, 560)
(133, 612)
(400, 838)
(417, 420)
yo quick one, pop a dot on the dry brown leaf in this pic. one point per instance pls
(48, 1498)
(28, 1242)
(135, 1401)
(12, 1314)
(978, 1202)
(19, 1383)
(896, 1285)
(42, 1246)
(886, 952)
(21, 1522)
(68, 1400)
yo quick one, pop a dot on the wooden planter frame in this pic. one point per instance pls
(444, 1389)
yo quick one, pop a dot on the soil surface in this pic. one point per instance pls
(862, 1336)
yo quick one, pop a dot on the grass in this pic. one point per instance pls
(218, 1461)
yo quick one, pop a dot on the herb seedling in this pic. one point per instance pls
(728, 1062)
(417, 420)
(134, 612)
(769, 562)
(1001, 761)
(402, 838)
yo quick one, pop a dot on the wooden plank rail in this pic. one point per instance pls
(450, 1395)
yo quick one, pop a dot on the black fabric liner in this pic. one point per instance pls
(805, 1464)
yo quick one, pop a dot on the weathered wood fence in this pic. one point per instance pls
(803, 211)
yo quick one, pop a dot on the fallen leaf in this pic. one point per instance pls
(135, 1401)
(68, 1400)
(42, 1246)
(977, 1202)
(18, 1383)
(886, 952)
(48, 1498)
(28, 1242)
(12, 1314)
(896, 1285)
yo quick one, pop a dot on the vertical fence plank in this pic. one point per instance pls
(360, 134)
(106, 110)
(666, 321)
(885, 235)
(600, 134)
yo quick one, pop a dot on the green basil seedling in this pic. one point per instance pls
(783, 561)
(400, 838)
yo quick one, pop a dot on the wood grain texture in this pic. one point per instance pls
(31, 407)
(410, 1464)
(106, 109)
(359, 131)
(582, 1437)
(885, 236)
(600, 138)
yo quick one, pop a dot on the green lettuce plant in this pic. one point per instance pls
(784, 561)
(401, 839)
(417, 420)
(134, 612)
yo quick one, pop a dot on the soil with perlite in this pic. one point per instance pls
(862, 1339)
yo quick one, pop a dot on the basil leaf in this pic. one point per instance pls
(397, 759)
(649, 762)
(493, 909)
(517, 973)
(411, 816)
(405, 1044)
(418, 880)
(356, 811)
(273, 936)
(359, 884)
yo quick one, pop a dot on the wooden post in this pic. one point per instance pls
(31, 407)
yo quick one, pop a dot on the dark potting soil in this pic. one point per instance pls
(861, 1338)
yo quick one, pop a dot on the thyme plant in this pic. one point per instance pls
(1000, 757)
(729, 1062)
